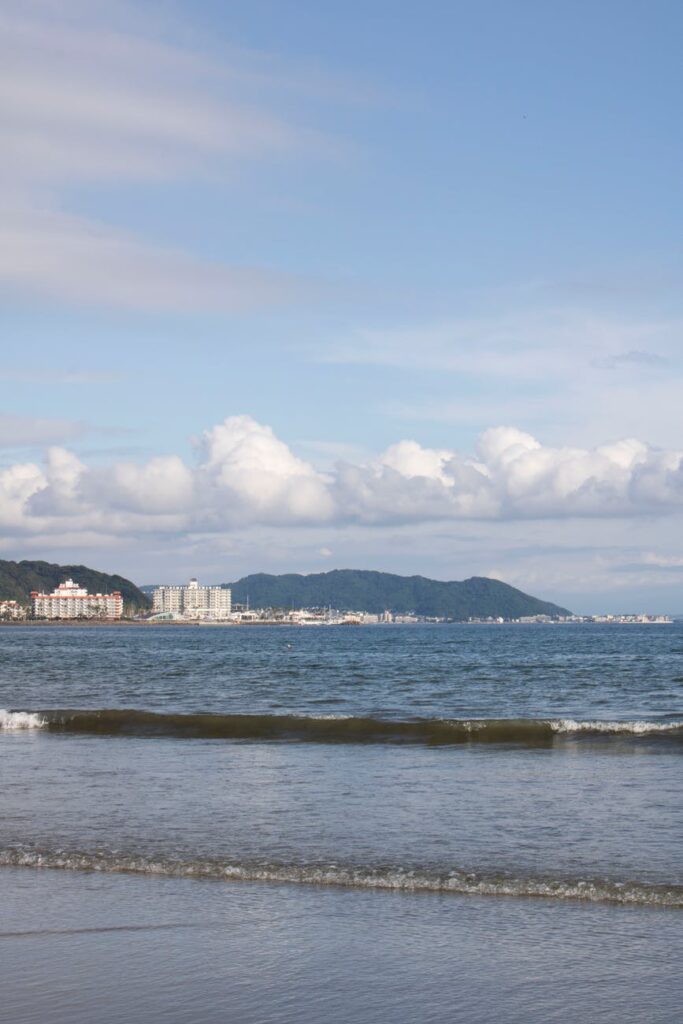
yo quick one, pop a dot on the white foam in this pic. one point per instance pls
(334, 875)
(331, 717)
(633, 728)
(12, 720)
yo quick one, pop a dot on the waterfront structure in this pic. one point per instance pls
(11, 610)
(70, 601)
(193, 601)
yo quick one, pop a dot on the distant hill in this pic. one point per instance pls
(347, 589)
(18, 579)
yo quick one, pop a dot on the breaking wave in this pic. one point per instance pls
(328, 728)
(569, 725)
(12, 720)
(393, 878)
(331, 728)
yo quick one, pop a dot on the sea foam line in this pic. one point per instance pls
(394, 879)
(569, 725)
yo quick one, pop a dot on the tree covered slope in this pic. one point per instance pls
(380, 591)
(18, 579)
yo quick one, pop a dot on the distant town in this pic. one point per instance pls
(194, 603)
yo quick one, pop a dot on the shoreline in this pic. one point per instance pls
(143, 623)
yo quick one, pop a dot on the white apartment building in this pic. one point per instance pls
(12, 610)
(69, 601)
(193, 601)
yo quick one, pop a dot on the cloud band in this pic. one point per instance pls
(244, 475)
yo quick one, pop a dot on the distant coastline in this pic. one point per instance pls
(615, 620)
(340, 597)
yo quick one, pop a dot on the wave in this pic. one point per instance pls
(11, 720)
(394, 878)
(569, 725)
(333, 728)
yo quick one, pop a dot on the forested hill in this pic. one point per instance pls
(18, 579)
(357, 589)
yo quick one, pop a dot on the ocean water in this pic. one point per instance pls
(370, 824)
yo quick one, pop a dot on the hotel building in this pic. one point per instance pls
(69, 601)
(12, 610)
(193, 601)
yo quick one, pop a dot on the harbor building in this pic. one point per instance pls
(193, 601)
(69, 601)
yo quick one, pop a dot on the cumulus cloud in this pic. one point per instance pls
(246, 468)
(245, 476)
(18, 484)
(512, 475)
(162, 486)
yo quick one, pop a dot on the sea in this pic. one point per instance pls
(271, 824)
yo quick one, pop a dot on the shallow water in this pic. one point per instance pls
(114, 949)
(452, 767)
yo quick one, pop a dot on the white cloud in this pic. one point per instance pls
(244, 476)
(85, 100)
(246, 468)
(652, 558)
(162, 486)
(527, 344)
(90, 96)
(513, 476)
(67, 257)
(18, 484)
(64, 475)
(411, 460)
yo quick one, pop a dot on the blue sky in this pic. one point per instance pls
(290, 285)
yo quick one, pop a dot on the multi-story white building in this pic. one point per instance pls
(69, 601)
(193, 601)
(12, 610)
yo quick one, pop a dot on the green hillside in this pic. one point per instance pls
(379, 591)
(18, 579)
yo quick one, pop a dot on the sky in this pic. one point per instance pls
(294, 285)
